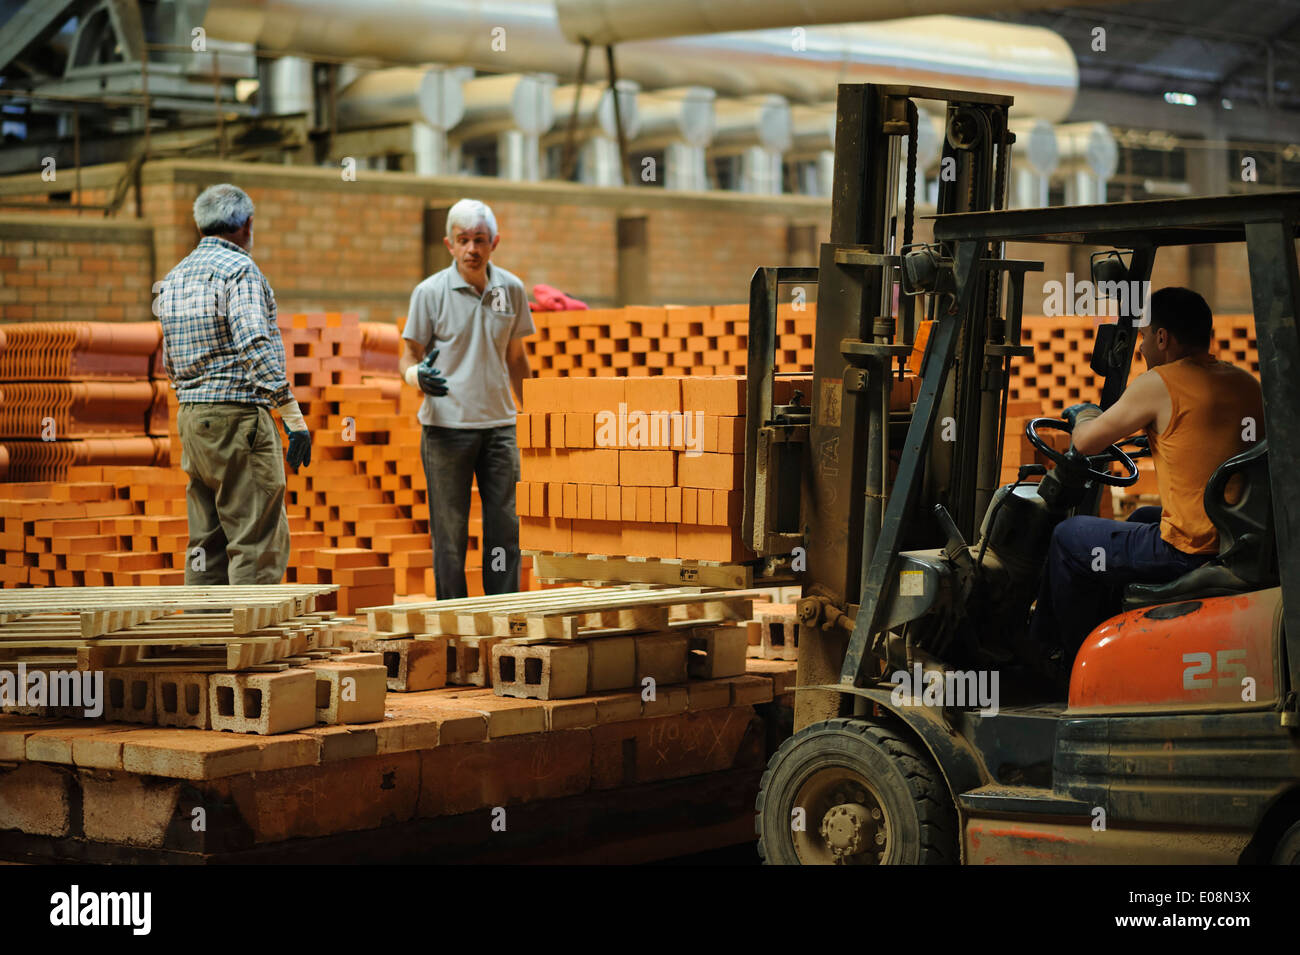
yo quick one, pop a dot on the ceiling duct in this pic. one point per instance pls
(1033, 162)
(1031, 63)
(599, 160)
(1089, 157)
(617, 21)
(680, 122)
(516, 109)
(404, 94)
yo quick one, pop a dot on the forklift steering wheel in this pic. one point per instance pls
(1075, 462)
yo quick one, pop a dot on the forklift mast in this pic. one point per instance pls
(818, 478)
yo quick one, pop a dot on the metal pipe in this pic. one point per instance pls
(496, 104)
(405, 94)
(1034, 64)
(617, 21)
(595, 110)
(1089, 157)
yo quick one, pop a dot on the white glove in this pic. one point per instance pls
(291, 415)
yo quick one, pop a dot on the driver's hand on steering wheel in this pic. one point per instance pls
(1085, 411)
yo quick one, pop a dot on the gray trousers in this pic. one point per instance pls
(453, 458)
(239, 531)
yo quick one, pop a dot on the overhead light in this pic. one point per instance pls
(1180, 99)
(1227, 103)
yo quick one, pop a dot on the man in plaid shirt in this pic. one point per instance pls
(223, 353)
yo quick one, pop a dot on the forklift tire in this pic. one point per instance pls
(1288, 847)
(872, 798)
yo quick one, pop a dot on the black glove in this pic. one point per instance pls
(299, 448)
(430, 378)
(1083, 411)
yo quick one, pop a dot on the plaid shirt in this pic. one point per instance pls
(220, 340)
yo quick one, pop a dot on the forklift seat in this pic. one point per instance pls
(1247, 558)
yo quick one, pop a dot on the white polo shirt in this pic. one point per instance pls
(471, 332)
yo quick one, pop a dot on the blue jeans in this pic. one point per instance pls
(1089, 563)
(453, 458)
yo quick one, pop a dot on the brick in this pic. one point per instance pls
(127, 810)
(653, 394)
(714, 395)
(649, 540)
(263, 703)
(647, 469)
(350, 692)
(411, 664)
(599, 394)
(713, 471)
(36, 800)
(662, 657)
(184, 754)
(130, 695)
(665, 701)
(570, 714)
(540, 671)
(611, 663)
(182, 699)
(708, 694)
(506, 716)
(716, 652)
(748, 690)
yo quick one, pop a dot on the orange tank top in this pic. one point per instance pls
(1211, 400)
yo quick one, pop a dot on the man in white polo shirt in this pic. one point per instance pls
(470, 319)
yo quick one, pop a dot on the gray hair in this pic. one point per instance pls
(469, 213)
(221, 209)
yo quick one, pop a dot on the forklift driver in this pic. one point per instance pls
(1197, 412)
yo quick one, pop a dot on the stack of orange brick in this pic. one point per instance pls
(651, 467)
(641, 341)
(106, 526)
(79, 393)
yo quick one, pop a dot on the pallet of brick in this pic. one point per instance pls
(644, 467)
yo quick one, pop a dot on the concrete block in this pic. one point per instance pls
(779, 630)
(262, 703)
(473, 661)
(611, 664)
(540, 672)
(661, 656)
(716, 652)
(130, 695)
(349, 692)
(183, 699)
(412, 664)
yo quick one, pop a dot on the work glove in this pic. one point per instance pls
(299, 437)
(1084, 411)
(427, 378)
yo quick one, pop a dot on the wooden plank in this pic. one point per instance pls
(596, 567)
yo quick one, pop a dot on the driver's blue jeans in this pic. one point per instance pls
(1089, 563)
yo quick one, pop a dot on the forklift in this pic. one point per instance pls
(1178, 739)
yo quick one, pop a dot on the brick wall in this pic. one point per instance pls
(74, 269)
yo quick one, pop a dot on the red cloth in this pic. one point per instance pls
(549, 299)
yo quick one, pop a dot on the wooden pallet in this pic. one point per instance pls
(574, 613)
(229, 628)
(103, 610)
(554, 567)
